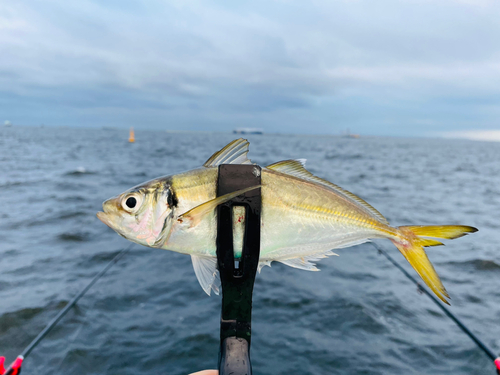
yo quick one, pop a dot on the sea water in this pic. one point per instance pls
(148, 314)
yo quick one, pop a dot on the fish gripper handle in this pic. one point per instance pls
(14, 368)
(237, 275)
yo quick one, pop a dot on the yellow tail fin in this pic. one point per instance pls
(411, 244)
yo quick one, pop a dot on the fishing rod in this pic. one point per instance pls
(463, 327)
(15, 367)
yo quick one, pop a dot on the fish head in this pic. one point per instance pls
(142, 214)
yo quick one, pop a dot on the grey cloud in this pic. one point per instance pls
(248, 60)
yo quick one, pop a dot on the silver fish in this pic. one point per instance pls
(303, 218)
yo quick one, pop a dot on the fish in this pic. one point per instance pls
(303, 219)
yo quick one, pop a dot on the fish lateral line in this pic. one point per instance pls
(330, 214)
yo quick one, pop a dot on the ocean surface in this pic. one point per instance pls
(148, 314)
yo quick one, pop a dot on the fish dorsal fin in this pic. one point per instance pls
(297, 168)
(234, 152)
(207, 273)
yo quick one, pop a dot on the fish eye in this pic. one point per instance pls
(131, 202)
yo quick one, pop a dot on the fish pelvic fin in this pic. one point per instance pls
(411, 241)
(207, 273)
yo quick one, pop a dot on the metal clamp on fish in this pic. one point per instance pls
(237, 274)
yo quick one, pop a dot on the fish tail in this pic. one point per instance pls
(411, 240)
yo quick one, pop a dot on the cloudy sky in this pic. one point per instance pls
(386, 67)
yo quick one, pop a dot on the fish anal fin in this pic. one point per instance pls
(234, 152)
(207, 273)
(195, 214)
(307, 262)
(297, 168)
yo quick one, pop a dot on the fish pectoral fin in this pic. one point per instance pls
(234, 152)
(207, 273)
(306, 263)
(195, 214)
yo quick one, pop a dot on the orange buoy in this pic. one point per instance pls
(131, 137)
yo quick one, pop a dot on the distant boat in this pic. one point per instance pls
(348, 134)
(7, 123)
(248, 131)
(131, 137)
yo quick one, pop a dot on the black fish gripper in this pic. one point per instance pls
(237, 275)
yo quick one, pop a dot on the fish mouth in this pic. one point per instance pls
(104, 218)
(107, 216)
